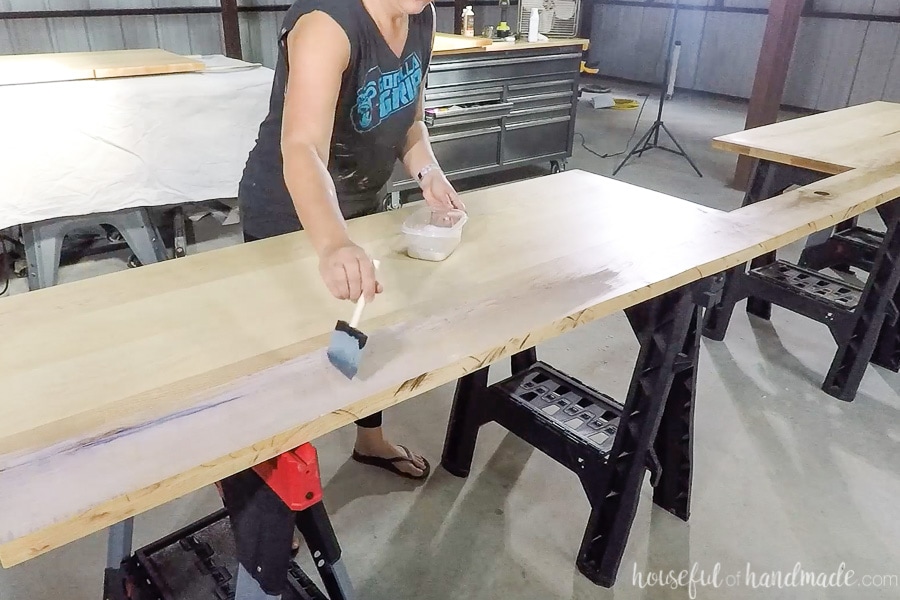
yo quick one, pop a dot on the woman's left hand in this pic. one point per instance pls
(439, 192)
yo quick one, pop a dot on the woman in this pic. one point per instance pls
(346, 104)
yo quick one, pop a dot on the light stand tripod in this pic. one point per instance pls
(650, 140)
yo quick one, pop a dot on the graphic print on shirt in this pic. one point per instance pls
(384, 94)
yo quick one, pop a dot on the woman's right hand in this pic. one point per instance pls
(348, 272)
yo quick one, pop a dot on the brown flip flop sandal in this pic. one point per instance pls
(390, 464)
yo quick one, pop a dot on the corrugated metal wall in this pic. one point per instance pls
(185, 34)
(835, 63)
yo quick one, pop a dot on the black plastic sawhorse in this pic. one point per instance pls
(653, 427)
(862, 320)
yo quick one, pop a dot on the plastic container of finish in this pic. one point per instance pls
(433, 234)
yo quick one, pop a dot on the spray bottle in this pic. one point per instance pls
(534, 24)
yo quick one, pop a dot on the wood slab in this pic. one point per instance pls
(525, 45)
(861, 136)
(70, 66)
(129, 390)
(447, 43)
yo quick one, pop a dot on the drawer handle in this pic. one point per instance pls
(446, 137)
(539, 109)
(550, 96)
(478, 118)
(541, 84)
(538, 123)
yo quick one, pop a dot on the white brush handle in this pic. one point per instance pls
(361, 303)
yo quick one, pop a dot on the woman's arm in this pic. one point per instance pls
(418, 155)
(318, 55)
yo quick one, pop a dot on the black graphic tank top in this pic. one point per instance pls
(377, 105)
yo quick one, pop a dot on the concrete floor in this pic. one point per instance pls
(784, 473)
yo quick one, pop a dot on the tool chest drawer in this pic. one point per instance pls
(459, 150)
(463, 95)
(542, 100)
(537, 138)
(467, 150)
(489, 110)
(538, 86)
(528, 114)
(468, 114)
(493, 68)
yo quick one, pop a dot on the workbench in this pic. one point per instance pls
(801, 151)
(497, 106)
(129, 390)
(91, 151)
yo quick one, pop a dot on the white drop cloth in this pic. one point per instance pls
(83, 147)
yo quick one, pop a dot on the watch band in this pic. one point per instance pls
(426, 170)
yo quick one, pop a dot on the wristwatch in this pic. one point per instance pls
(426, 170)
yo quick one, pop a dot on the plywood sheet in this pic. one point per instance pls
(69, 66)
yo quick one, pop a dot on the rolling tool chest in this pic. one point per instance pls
(492, 110)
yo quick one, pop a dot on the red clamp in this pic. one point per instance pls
(294, 476)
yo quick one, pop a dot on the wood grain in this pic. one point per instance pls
(132, 389)
(70, 66)
(863, 136)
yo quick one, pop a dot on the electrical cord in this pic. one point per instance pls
(627, 144)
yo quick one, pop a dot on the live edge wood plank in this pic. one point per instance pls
(70, 66)
(862, 136)
(446, 43)
(198, 368)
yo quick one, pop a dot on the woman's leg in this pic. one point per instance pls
(372, 448)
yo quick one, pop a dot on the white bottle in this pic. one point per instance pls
(468, 22)
(534, 23)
